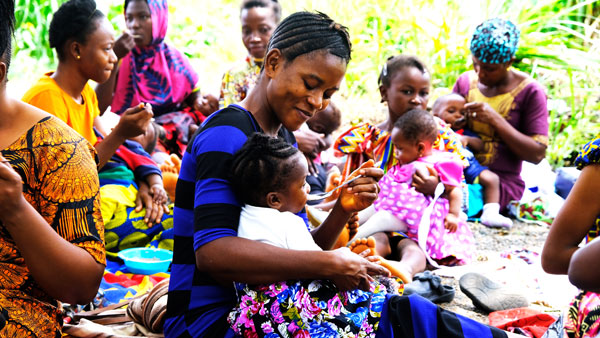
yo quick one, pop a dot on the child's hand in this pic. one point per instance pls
(154, 211)
(159, 195)
(134, 121)
(451, 222)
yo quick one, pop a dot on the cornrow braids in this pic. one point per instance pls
(273, 4)
(74, 20)
(397, 63)
(495, 41)
(7, 27)
(417, 125)
(260, 167)
(305, 32)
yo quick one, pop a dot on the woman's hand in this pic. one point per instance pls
(309, 142)
(425, 184)
(145, 199)
(134, 121)
(11, 190)
(362, 192)
(482, 112)
(354, 271)
(123, 45)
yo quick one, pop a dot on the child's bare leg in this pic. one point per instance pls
(381, 221)
(491, 209)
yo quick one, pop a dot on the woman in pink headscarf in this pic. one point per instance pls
(153, 72)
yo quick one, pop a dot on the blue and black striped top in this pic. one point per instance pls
(206, 209)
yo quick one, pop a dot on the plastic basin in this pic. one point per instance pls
(146, 261)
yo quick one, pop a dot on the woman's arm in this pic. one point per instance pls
(247, 261)
(524, 146)
(573, 221)
(584, 270)
(44, 250)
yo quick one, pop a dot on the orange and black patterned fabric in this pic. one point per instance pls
(60, 181)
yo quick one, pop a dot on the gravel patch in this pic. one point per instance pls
(490, 244)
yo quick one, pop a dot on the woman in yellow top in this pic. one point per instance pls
(51, 231)
(84, 47)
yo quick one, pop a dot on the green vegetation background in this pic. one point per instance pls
(559, 47)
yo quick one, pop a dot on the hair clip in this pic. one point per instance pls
(384, 70)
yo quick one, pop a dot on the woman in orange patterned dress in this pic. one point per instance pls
(51, 231)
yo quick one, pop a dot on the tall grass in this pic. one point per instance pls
(559, 47)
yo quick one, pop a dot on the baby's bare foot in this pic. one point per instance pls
(363, 244)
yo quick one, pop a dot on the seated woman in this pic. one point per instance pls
(304, 66)
(579, 220)
(404, 83)
(505, 107)
(83, 37)
(51, 232)
(151, 71)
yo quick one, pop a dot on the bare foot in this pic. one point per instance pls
(170, 174)
(398, 269)
(363, 244)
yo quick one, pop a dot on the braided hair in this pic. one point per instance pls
(395, 64)
(260, 167)
(417, 125)
(273, 4)
(74, 20)
(495, 41)
(7, 17)
(305, 32)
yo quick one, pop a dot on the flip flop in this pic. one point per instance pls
(488, 295)
(428, 285)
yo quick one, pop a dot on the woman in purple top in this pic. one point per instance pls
(506, 107)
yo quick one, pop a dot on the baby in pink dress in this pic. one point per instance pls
(449, 240)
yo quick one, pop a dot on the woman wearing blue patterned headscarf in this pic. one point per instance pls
(505, 107)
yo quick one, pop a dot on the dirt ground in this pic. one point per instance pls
(498, 252)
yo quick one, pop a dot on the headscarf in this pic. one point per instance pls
(495, 41)
(157, 74)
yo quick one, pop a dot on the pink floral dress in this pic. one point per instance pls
(307, 308)
(403, 201)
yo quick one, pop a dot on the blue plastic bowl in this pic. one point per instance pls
(146, 261)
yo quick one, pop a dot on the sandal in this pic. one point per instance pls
(488, 295)
(428, 285)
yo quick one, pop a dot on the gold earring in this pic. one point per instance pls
(78, 57)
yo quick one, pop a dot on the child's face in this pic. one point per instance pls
(405, 151)
(409, 89)
(451, 110)
(258, 23)
(325, 122)
(147, 137)
(293, 198)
